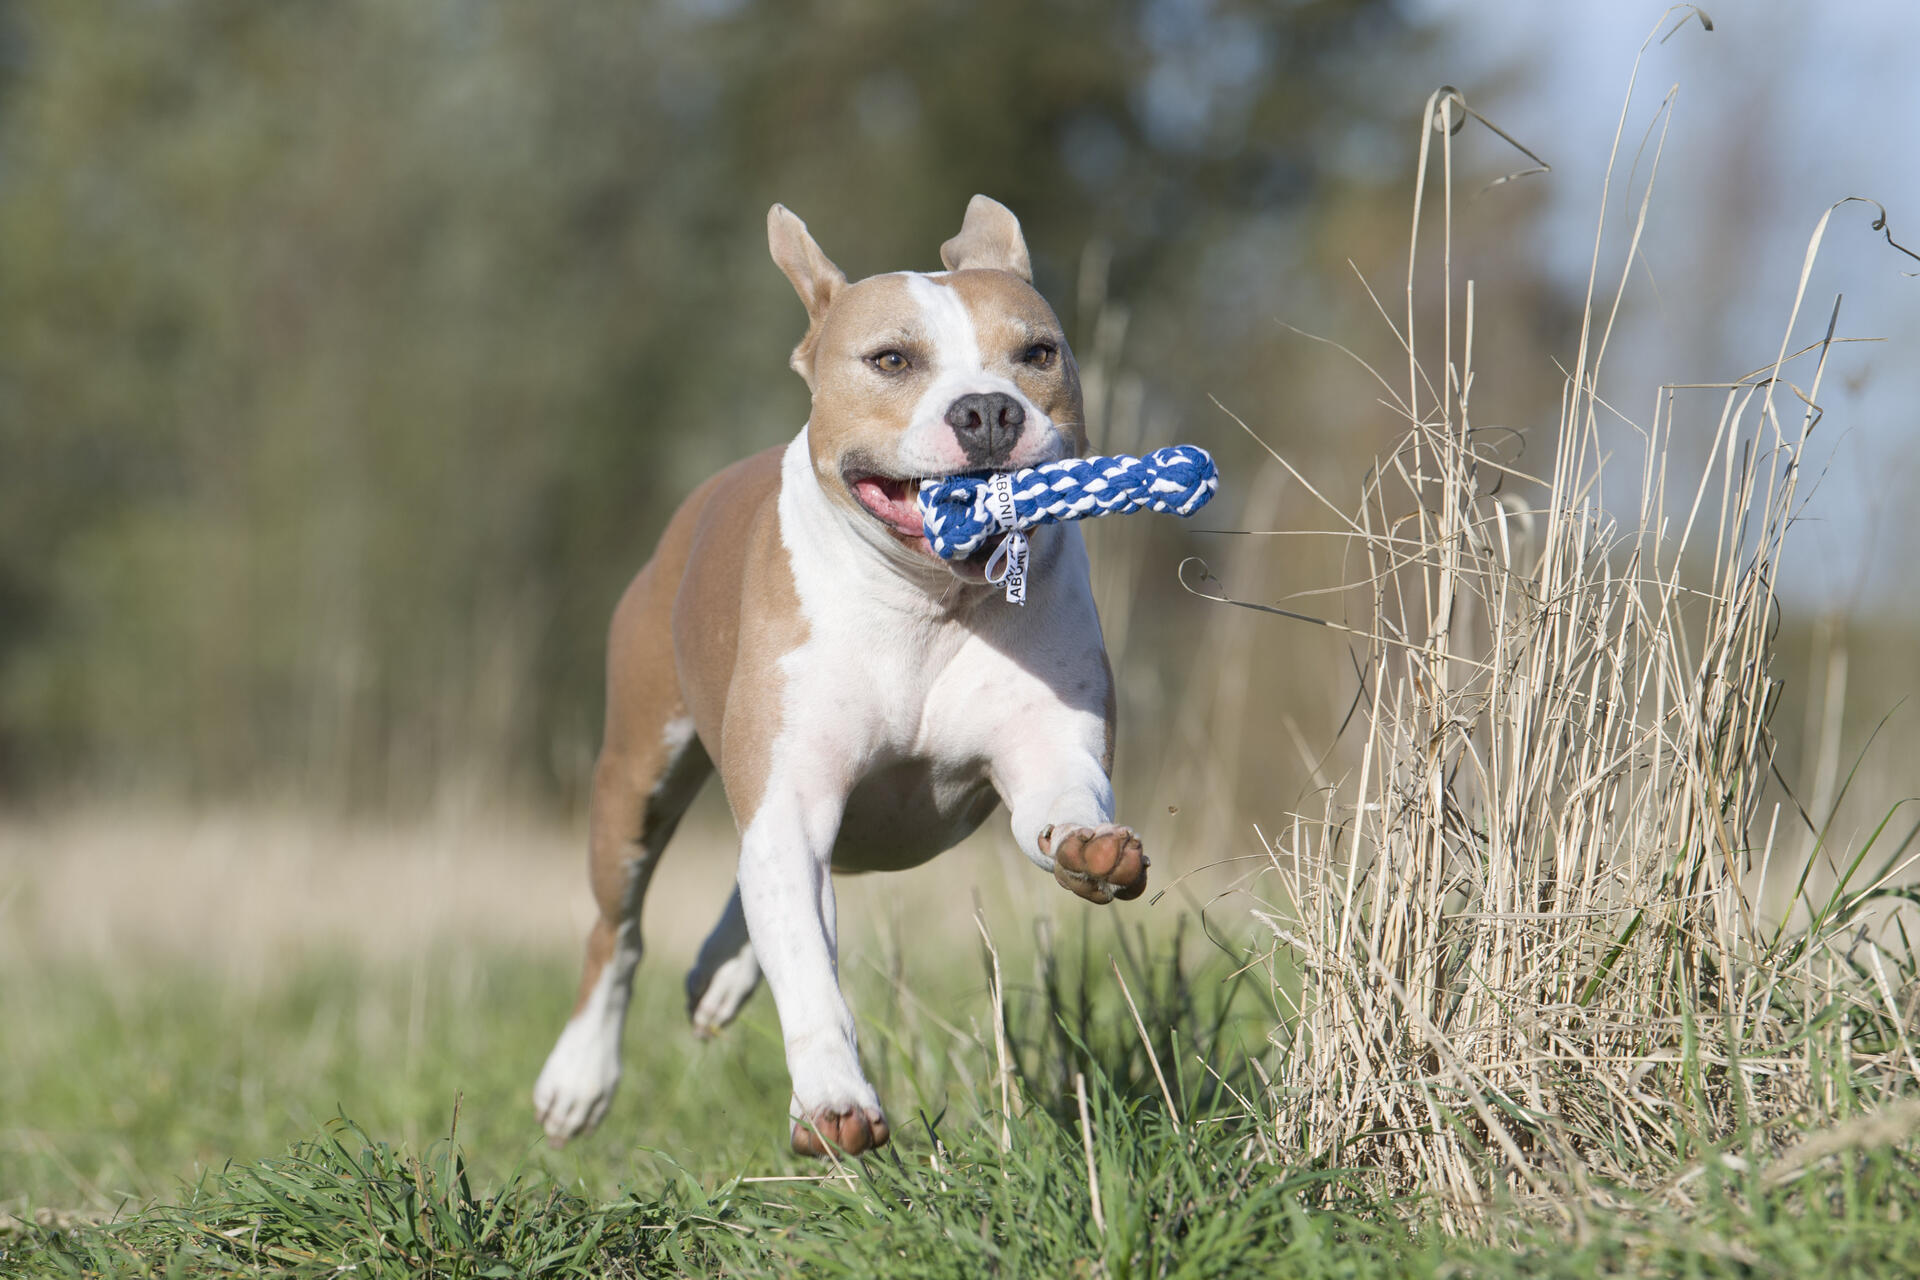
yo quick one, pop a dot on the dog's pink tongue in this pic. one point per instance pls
(892, 501)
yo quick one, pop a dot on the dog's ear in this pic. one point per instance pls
(813, 274)
(990, 238)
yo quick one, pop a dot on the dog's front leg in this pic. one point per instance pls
(786, 891)
(1056, 787)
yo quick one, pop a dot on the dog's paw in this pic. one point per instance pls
(846, 1132)
(1098, 863)
(576, 1086)
(714, 999)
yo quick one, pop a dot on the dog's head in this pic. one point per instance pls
(916, 376)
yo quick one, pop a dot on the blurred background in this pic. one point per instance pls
(353, 354)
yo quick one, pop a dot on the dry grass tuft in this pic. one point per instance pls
(1521, 949)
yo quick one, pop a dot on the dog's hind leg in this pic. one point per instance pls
(650, 768)
(725, 974)
(630, 824)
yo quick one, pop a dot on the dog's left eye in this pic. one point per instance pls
(1040, 355)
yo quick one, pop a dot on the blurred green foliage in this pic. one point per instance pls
(353, 353)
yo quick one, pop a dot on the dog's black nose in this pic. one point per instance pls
(986, 424)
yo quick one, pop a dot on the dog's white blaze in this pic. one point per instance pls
(928, 445)
(950, 330)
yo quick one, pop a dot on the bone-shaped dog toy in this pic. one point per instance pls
(961, 513)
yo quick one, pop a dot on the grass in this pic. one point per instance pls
(187, 1076)
(133, 1084)
(235, 1096)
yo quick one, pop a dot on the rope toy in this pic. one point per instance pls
(962, 512)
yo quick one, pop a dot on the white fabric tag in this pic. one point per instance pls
(998, 497)
(1010, 559)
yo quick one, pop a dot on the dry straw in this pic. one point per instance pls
(1520, 950)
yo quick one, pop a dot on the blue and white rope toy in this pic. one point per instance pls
(961, 513)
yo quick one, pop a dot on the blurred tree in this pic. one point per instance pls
(352, 354)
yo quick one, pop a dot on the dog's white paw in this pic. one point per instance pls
(846, 1131)
(714, 999)
(576, 1086)
(1098, 863)
(833, 1105)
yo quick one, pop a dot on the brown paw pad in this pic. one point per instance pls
(1098, 863)
(848, 1132)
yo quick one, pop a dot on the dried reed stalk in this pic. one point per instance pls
(1524, 927)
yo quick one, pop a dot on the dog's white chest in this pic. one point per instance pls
(910, 707)
(916, 703)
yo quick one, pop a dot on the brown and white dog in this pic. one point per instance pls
(867, 704)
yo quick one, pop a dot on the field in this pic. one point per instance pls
(239, 1046)
(1551, 972)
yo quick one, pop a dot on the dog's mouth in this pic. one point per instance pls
(893, 501)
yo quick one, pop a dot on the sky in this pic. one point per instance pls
(1783, 109)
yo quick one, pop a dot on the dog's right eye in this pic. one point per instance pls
(889, 361)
